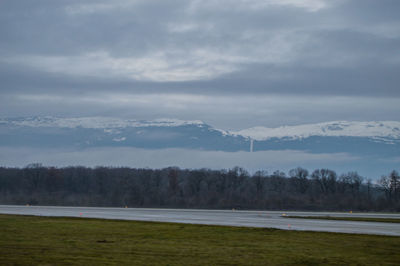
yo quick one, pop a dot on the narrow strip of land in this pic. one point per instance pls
(355, 219)
(32, 240)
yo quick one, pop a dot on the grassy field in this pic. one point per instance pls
(27, 240)
(358, 219)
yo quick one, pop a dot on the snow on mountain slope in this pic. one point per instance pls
(376, 129)
(112, 132)
(379, 130)
(96, 122)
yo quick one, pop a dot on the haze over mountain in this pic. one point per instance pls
(357, 141)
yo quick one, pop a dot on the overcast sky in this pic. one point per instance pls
(231, 63)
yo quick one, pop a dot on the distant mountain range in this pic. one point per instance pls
(384, 130)
(378, 138)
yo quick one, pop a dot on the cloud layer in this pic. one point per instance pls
(233, 64)
(142, 158)
(195, 159)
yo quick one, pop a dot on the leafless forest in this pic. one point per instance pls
(322, 189)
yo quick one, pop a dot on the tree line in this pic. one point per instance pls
(172, 187)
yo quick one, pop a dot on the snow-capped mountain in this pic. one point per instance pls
(384, 130)
(376, 129)
(103, 131)
(366, 138)
(95, 122)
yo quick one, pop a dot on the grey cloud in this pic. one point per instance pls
(364, 80)
(253, 48)
(370, 11)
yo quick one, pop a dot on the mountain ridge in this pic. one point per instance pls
(372, 145)
(372, 129)
(95, 122)
(379, 130)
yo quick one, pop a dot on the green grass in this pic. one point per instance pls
(28, 240)
(358, 219)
